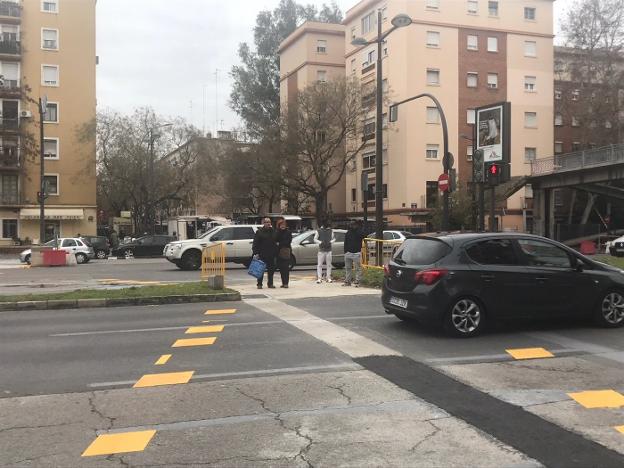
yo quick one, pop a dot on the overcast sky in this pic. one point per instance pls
(165, 54)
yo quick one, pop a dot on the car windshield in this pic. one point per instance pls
(421, 251)
(207, 233)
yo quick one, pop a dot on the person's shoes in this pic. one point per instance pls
(285, 286)
(319, 281)
(357, 285)
(259, 286)
(329, 280)
(271, 286)
(346, 284)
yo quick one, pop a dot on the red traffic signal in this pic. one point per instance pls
(493, 173)
(494, 169)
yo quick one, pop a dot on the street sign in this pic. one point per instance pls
(443, 182)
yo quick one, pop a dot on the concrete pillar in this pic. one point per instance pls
(550, 200)
(538, 211)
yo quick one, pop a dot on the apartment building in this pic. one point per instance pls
(47, 48)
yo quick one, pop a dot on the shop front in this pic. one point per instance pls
(59, 222)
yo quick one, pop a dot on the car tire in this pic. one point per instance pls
(81, 258)
(191, 260)
(101, 254)
(293, 263)
(465, 318)
(128, 253)
(610, 310)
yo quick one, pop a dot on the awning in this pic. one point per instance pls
(53, 213)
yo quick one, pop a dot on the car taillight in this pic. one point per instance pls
(429, 277)
(386, 271)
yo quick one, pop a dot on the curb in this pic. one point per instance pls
(135, 301)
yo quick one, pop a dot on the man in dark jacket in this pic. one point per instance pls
(265, 248)
(353, 253)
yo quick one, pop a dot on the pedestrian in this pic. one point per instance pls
(325, 235)
(283, 238)
(114, 240)
(265, 248)
(353, 253)
(78, 235)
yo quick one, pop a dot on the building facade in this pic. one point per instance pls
(47, 49)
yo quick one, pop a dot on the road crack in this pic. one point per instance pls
(94, 410)
(340, 389)
(428, 437)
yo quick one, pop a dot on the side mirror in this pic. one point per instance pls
(577, 265)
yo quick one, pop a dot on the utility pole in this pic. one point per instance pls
(43, 104)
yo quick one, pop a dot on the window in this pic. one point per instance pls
(384, 190)
(493, 8)
(469, 153)
(354, 194)
(492, 80)
(575, 95)
(321, 46)
(50, 148)
(369, 128)
(433, 115)
(223, 235)
(9, 228)
(431, 194)
(492, 44)
(368, 23)
(473, 7)
(369, 58)
(558, 147)
(432, 151)
(8, 188)
(530, 154)
(10, 73)
(321, 76)
(473, 42)
(433, 4)
(529, 83)
(51, 184)
(543, 254)
(575, 121)
(72, 243)
(243, 233)
(368, 161)
(370, 195)
(558, 119)
(529, 13)
(493, 252)
(472, 79)
(433, 76)
(530, 119)
(557, 94)
(530, 49)
(576, 146)
(470, 116)
(49, 6)
(49, 39)
(433, 39)
(49, 75)
(51, 113)
(384, 85)
(384, 120)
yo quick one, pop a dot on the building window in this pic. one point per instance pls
(321, 46)
(49, 6)
(530, 49)
(369, 58)
(50, 148)
(384, 85)
(575, 95)
(470, 116)
(558, 147)
(51, 113)
(432, 4)
(368, 23)
(371, 192)
(469, 153)
(10, 73)
(433, 39)
(530, 83)
(321, 76)
(473, 42)
(529, 13)
(8, 188)
(530, 119)
(493, 8)
(49, 75)
(575, 122)
(558, 119)
(530, 154)
(557, 94)
(492, 44)
(433, 115)
(368, 161)
(9, 228)
(354, 194)
(472, 79)
(433, 76)
(432, 151)
(51, 184)
(473, 7)
(492, 80)
(432, 192)
(576, 146)
(49, 39)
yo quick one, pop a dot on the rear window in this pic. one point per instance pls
(421, 251)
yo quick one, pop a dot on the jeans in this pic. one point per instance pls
(270, 271)
(324, 257)
(353, 260)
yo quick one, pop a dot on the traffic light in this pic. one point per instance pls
(477, 166)
(493, 171)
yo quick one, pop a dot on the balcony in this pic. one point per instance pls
(10, 12)
(369, 100)
(368, 68)
(9, 158)
(10, 125)
(10, 49)
(10, 89)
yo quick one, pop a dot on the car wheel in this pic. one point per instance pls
(81, 258)
(465, 318)
(610, 313)
(128, 253)
(101, 254)
(293, 262)
(191, 260)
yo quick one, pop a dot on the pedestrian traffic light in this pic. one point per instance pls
(477, 166)
(493, 173)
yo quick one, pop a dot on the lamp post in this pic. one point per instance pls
(399, 21)
(43, 104)
(150, 176)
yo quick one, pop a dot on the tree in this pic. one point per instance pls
(322, 135)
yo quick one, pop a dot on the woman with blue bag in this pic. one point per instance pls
(265, 249)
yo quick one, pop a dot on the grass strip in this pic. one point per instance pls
(609, 260)
(371, 278)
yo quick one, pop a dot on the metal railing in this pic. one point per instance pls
(596, 157)
(369, 252)
(213, 265)
(9, 199)
(9, 157)
(10, 47)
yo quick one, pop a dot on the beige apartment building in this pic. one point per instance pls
(47, 48)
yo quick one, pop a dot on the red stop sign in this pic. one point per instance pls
(443, 183)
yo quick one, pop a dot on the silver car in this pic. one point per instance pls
(305, 248)
(73, 245)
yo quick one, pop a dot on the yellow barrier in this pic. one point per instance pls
(213, 265)
(369, 252)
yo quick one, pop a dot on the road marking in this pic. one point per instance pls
(170, 378)
(194, 342)
(620, 429)
(163, 359)
(204, 329)
(108, 444)
(529, 353)
(599, 398)
(220, 311)
(490, 357)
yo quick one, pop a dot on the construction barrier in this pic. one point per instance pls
(213, 265)
(369, 252)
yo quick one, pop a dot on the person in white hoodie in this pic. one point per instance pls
(325, 235)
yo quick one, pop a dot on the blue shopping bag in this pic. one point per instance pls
(256, 268)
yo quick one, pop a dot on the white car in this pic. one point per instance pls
(616, 247)
(305, 248)
(238, 240)
(73, 245)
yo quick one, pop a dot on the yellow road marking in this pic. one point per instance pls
(205, 329)
(529, 353)
(620, 429)
(599, 399)
(170, 378)
(220, 311)
(108, 444)
(162, 359)
(194, 342)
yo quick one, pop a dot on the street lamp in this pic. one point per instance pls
(398, 21)
(150, 175)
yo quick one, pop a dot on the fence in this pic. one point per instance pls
(213, 265)
(369, 252)
(596, 157)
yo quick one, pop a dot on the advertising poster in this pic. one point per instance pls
(490, 132)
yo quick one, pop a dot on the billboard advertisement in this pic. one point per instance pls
(490, 128)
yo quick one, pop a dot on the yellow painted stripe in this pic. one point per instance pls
(108, 444)
(170, 378)
(205, 329)
(162, 359)
(599, 399)
(529, 353)
(220, 311)
(194, 342)
(620, 429)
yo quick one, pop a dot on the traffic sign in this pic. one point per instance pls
(443, 182)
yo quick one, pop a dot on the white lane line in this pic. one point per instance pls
(284, 370)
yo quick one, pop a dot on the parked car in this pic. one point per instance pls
(146, 246)
(464, 281)
(616, 247)
(73, 245)
(238, 240)
(305, 248)
(100, 244)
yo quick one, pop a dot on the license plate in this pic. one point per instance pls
(397, 301)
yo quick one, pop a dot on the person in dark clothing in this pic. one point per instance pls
(284, 239)
(265, 248)
(353, 253)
